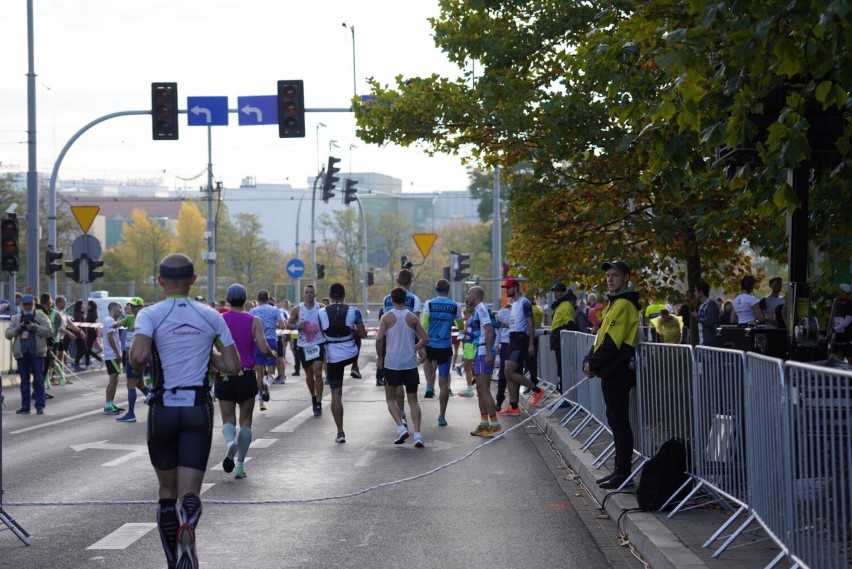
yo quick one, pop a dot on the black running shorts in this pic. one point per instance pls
(336, 371)
(180, 436)
(440, 355)
(407, 377)
(237, 388)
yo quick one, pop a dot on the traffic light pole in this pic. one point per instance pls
(211, 228)
(364, 288)
(313, 227)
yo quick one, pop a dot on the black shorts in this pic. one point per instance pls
(237, 388)
(407, 377)
(519, 348)
(180, 436)
(336, 371)
(301, 355)
(280, 343)
(440, 355)
(112, 367)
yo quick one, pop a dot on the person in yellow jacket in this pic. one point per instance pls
(613, 359)
(563, 319)
(668, 327)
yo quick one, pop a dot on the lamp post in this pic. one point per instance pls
(319, 164)
(352, 29)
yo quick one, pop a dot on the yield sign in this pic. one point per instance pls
(424, 242)
(85, 215)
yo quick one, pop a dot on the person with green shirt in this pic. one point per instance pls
(612, 358)
(134, 379)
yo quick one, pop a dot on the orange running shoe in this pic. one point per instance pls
(537, 398)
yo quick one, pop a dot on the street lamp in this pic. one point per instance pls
(319, 164)
(352, 29)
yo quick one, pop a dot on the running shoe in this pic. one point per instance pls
(295, 373)
(265, 392)
(401, 435)
(418, 440)
(509, 411)
(458, 370)
(481, 430)
(538, 397)
(186, 558)
(111, 411)
(317, 409)
(430, 392)
(494, 430)
(279, 380)
(262, 405)
(380, 383)
(127, 418)
(40, 411)
(239, 472)
(466, 393)
(230, 453)
(442, 422)
(355, 373)
(341, 438)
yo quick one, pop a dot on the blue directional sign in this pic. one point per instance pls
(295, 268)
(207, 111)
(258, 110)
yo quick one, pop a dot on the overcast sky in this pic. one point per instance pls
(94, 57)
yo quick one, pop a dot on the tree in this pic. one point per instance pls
(189, 232)
(144, 243)
(251, 257)
(341, 243)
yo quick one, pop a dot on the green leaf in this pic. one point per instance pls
(715, 134)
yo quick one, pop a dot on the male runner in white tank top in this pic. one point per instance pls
(310, 349)
(397, 332)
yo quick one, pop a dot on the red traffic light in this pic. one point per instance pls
(291, 109)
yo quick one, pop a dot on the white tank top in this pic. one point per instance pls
(400, 340)
(310, 334)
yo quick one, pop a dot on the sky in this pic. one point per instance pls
(95, 57)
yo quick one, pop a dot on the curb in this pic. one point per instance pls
(656, 543)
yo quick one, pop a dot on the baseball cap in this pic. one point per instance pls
(236, 292)
(620, 265)
(136, 301)
(508, 283)
(559, 287)
(27, 299)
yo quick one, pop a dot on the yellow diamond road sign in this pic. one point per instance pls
(85, 215)
(424, 242)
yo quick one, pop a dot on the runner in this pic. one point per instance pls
(134, 380)
(337, 322)
(404, 279)
(309, 345)
(112, 357)
(271, 319)
(398, 331)
(483, 364)
(240, 389)
(182, 338)
(521, 347)
(439, 314)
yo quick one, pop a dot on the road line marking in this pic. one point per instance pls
(124, 536)
(365, 459)
(207, 486)
(263, 443)
(59, 421)
(296, 420)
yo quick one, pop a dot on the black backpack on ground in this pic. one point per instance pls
(662, 475)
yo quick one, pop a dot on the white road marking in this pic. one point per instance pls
(365, 459)
(206, 486)
(124, 536)
(296, 421)
(263, 443)
(135, 451)
(58, 421)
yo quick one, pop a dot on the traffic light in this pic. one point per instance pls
(320, 271)
(329, 182)
(291, 109)
(370, 278)
(164, 111)
(447, 275)
(74, 273)
(461, 267)
(93, 272)
(406, 264)
(50, 256)
(9, 244)
(350, 191)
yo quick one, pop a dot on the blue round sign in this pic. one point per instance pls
(295, 268)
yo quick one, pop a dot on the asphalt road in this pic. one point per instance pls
(502, 506)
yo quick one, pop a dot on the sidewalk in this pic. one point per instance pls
(663, 543)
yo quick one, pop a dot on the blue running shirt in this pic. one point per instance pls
(439, 314)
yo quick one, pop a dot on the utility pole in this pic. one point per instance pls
(497, 241)
(210, 255)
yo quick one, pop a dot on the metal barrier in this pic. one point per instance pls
(821, 470)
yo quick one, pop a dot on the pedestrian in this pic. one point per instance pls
(439, 315)
(240, 388)
(112, 357)
(612, 358)
(400, 343)
(340, 323)
(29, 330)
(468, 351)
(707, 315)
(68, 332)
(45, 305)
(281, 341)
(669, 328)
(310, 347)
(746, 306)
(594, 310)
(483, 364)
(522, 347)
(135, 375)
(503, 317)
(727, 315)
(772, 305)
(185, 338)
(92, 332)
(564, 318)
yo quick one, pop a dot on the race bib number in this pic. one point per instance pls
(179, 398)
(312, 353)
